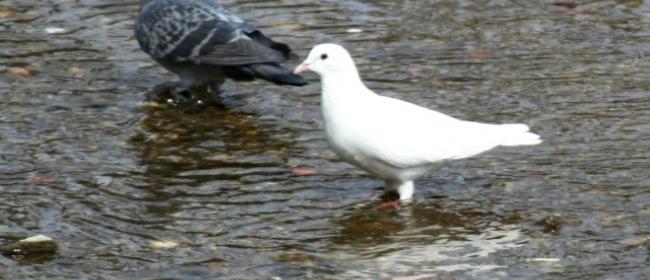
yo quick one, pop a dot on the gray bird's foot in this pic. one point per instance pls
(192, 99)
(209, 94)
(168, 93)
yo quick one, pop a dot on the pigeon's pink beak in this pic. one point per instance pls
(301, 68)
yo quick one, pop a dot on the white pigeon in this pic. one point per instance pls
(390, 138)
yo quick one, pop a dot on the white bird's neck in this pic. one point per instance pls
(343, 96)
(343, 86)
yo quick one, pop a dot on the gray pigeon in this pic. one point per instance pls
(204, 43)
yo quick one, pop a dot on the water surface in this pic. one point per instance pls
(87, 161)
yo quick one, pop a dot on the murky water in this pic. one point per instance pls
(135, 191)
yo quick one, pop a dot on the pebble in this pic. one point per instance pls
(543, 260)
(54, 30)
(163, 244)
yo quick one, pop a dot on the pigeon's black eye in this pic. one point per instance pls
(323, 56)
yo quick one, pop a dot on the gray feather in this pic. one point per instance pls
(200, 31)
(182, 33)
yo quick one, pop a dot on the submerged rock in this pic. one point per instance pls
(34, 249)
(551, 224)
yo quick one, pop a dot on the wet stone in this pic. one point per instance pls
(35, 249)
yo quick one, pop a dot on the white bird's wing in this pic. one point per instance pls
(403, 134)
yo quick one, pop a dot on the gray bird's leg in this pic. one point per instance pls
(214, 91)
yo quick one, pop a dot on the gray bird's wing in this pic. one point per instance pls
(202, 32)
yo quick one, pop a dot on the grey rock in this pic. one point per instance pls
(38, 245)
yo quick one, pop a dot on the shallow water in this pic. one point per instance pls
(86, 161)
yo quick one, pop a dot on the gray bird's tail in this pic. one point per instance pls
(277, 74)
(271, 72)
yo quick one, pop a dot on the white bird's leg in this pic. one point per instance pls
(405, 190)
(391, 185)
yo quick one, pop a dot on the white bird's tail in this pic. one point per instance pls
(518, 135)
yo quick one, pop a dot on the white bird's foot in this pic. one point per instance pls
(395, 204)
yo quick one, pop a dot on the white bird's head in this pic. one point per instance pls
(326, 59)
